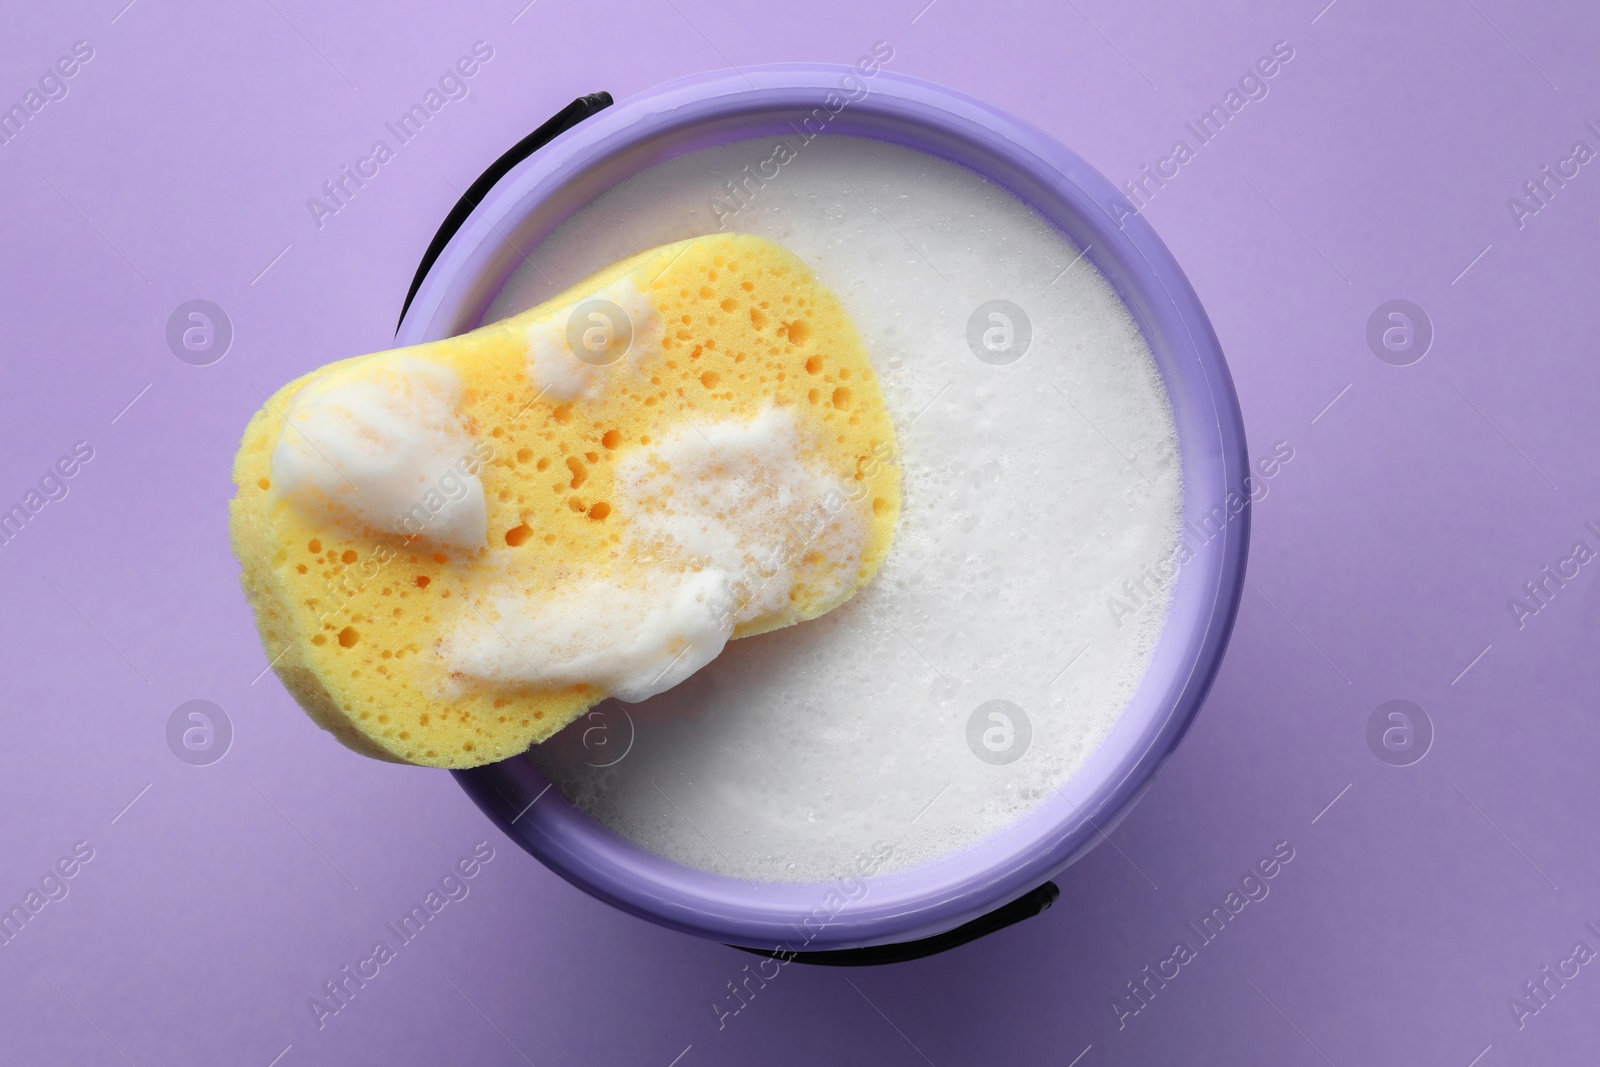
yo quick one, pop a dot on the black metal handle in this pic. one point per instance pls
(560, 122)
(1024, 907)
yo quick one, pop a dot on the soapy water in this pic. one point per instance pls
(1033, 482)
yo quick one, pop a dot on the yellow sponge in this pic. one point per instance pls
(455, 549)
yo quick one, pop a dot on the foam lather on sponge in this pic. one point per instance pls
(455, 549)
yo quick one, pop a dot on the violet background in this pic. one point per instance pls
(178, 167)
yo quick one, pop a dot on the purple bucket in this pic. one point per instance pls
(541, 191)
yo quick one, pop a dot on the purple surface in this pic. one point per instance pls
(935, 897)
(1378, 167)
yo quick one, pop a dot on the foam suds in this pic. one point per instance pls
(738, 498)
(632, 637)
(717, 517)
(1031, 493)
(378, 446)
(567, 363)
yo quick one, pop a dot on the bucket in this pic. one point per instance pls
(897, 914)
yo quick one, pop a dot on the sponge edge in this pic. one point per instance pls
(730, 334)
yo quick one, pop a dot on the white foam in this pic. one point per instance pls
(1031, 492)
(739, 497)
(631, 640)
(559, 372)
(716, 516)
(378, 445)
